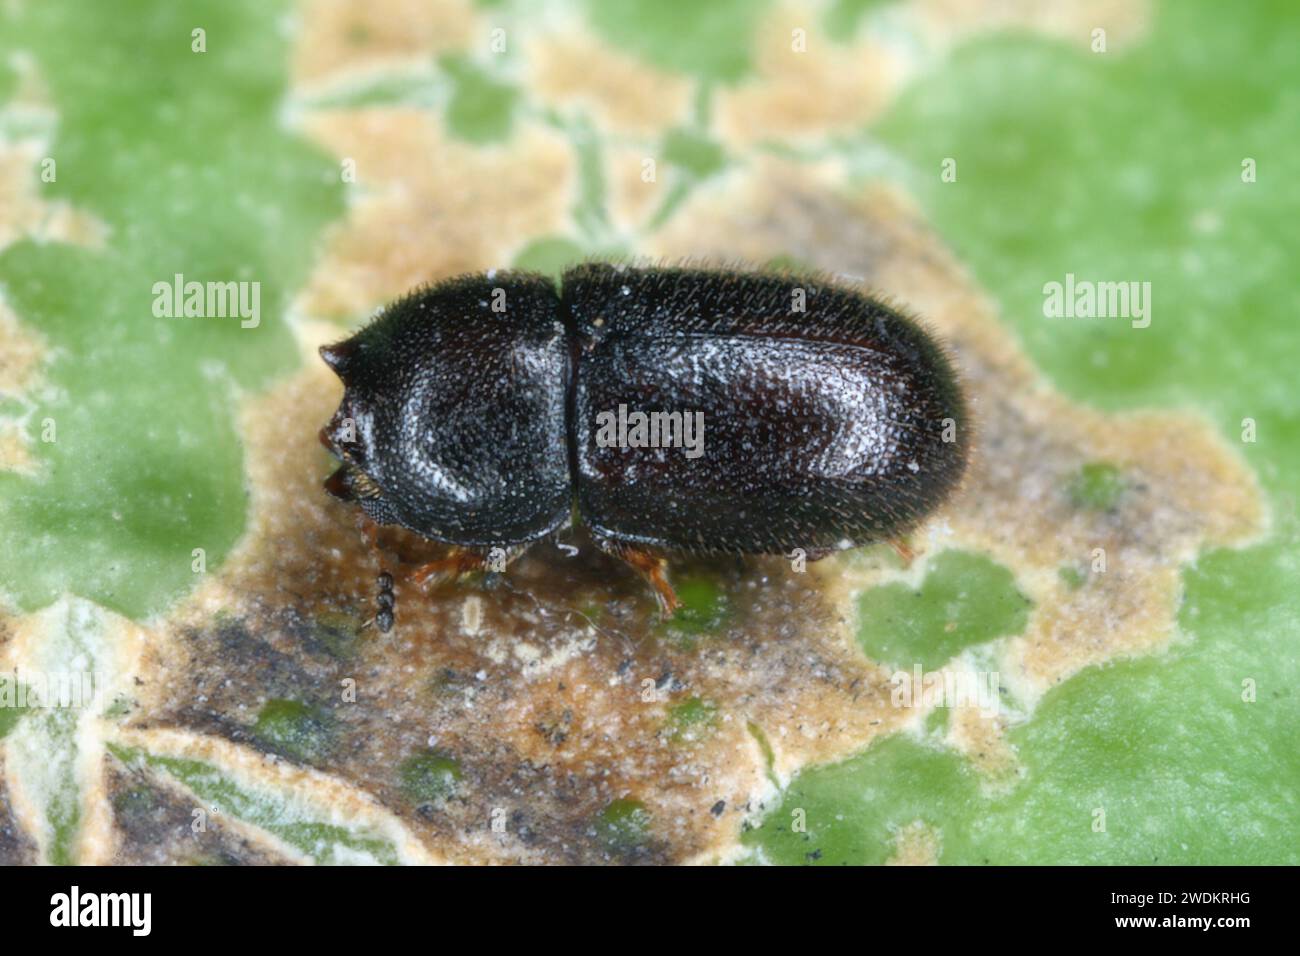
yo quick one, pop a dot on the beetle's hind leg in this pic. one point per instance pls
(459, 561)
(650, 566)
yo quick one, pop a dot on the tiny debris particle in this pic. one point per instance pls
(471, 614)
(718, 807)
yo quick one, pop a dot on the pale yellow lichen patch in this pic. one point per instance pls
(339, 39)
(624, 95)
(917, 844)
(427, 206)
(804, 84)
(950, 21)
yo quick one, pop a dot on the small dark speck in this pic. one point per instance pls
(718, 807)
(813, 856)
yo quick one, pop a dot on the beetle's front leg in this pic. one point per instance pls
(459, 561)
(650, 566)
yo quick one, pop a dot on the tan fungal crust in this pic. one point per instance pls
(625, 96)
(341, 39)
(426, 206)
(24, 354)
(15, 453)
(981, 738)
(22, 359)
(26, 171)
(807, 84)
(637, 189)
(804, 83)
(950, 21)
(917, 844)
(27, 167)
(25, 213)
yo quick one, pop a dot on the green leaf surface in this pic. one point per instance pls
(1126, 165)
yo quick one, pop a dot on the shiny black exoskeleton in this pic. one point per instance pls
(684, 409)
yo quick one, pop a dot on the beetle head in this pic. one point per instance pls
(348, 436)
(452, 419)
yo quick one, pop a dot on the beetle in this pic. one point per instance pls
(674, 409)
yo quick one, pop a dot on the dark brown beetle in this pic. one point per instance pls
(687, 409)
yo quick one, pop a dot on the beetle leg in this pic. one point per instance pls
(904, 552)
(650, 566)
(449, 567)
(460, 561)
